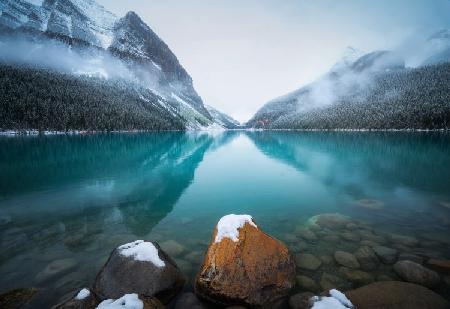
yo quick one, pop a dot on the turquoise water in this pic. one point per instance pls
(73, 199)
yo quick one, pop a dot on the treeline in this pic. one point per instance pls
(402, 99)
(46, 100)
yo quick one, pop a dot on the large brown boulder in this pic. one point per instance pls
(139, 267)
(245, 266)
(396, 295)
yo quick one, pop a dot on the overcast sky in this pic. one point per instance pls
(242, 53)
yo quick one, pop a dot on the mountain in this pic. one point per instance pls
(223, 119)
(439, 42)
(373, 91)
(92, 34)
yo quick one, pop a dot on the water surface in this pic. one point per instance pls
(73, 199)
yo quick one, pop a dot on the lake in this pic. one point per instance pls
(73, 199)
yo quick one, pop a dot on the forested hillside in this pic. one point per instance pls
(398, 99)
(47, 100)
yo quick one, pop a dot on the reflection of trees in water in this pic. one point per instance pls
(351, 160)
(148, 172)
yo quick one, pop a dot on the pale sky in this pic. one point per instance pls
(242, 53)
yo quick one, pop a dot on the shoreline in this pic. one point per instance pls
(34, 132)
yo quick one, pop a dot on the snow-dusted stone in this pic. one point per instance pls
(336, 300)
(244, 266)
(396, 295)
(131, 301)
(139, 267)
(83, 299)
(416, 273)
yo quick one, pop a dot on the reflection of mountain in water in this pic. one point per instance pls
(351, 160)
(82, 187)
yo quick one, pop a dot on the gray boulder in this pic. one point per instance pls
(367, 258)
(139, 267)
(346, 259)
(416, 273)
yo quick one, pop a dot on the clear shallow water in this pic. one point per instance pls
(73, 199)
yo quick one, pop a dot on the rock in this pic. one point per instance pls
(385, 254)
(403, 240)
(442, 266)
(346, 259)
(332, 221)
(416, 273)
(350, 236)
(131, 301)
(326, 259)
(195, 257)
(369, 235)
(368, 243)
(56, 268)
(307, 284)
(395, 295)
(83, 299)
(370, 204)
(331, 238)
(172, 248)
(357, 277)
(329, 281)
(351, 226)
(384, 278)
(139, 267)
(307, 261)
(306, 234)
(244, 266)
(367, 258)
(410, 257)
(300, 300)
(188, 301)
(17, 298)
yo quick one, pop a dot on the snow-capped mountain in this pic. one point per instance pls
(374, 90)
(84, 25)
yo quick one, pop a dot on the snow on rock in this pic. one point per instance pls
(229, 225)
(128, 301)
(142, 251)
(84, 293)
(337, 300)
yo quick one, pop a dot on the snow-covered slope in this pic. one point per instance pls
(88, 26)
(222, 119)
(439, 44)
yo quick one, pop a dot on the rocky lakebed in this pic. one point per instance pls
(331, 261)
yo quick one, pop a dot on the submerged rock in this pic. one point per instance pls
(367, 258)
(346, 259)
(244, 266)
(306, 234)
(410, 257)
(357, 277)
(442, 266)
(416, 273)
(172, 248)
(139, 267)
(301, 300)
(371, 204)
(395, 295)
(188, 301)
(307, 261)
(56, 268)
(330, 220)
(17, 298)
(403, 240)
(385, 254)
(307, 284)
(329, 281)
